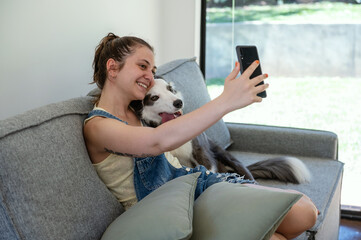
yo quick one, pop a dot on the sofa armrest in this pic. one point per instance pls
(283, 140)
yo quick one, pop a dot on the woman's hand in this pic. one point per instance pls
(242, 91)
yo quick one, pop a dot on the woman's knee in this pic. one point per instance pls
(305, 210)
(301, 217)
(309, 211)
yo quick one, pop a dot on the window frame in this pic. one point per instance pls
(348, 212)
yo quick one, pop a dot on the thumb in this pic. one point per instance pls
(234, 72)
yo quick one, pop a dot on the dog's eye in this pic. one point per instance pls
(154, 98)
(171, 89)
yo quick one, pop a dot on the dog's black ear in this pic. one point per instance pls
(137, 106)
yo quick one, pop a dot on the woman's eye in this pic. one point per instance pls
(143, 66)
(154, 98)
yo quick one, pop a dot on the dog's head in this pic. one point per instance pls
(161, 104)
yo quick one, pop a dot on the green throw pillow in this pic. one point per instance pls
(166, 213)
(234, 211)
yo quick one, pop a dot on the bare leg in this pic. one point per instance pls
(277, 236)
(302, 215)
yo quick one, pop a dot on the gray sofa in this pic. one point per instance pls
(49, 189)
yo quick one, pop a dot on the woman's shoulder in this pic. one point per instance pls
(100, 112)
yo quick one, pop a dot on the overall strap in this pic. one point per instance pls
(101, 113)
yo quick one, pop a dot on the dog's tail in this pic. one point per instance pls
(286, 169)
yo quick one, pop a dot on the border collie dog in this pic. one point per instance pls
(163, 103)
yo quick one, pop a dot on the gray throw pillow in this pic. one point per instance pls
(166, 213)
(235, 211)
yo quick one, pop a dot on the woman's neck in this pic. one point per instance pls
(118, 107)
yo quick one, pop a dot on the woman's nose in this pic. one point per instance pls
(149, 74)
(151, 80)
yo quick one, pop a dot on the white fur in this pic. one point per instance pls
(165, 102)
(299, 169)
(184, 153)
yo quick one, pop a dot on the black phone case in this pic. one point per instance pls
(246, 56)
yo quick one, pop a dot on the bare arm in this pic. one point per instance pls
(140, 141)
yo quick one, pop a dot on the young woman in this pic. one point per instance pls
(133, 160)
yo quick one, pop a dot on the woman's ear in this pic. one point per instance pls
(112, 68)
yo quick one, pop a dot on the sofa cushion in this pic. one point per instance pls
(188, 79)
(166, 213)
(48, 186)
(245, 212)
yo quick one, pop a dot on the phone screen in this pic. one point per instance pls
(246, 56)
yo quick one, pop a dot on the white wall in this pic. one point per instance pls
(47, 46)
(180, 23)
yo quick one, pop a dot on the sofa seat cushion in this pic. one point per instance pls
(325, 183)
(48, 187)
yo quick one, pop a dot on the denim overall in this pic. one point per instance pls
(152, 172)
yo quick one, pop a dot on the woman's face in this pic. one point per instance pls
(137, 75)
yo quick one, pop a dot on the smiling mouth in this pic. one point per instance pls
(142, 85)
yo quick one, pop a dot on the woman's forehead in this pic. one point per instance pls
(144, 53)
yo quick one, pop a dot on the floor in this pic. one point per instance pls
(350, 230)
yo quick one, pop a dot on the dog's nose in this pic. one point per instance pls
(178, 103)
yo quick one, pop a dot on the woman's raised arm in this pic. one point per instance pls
(117, 137)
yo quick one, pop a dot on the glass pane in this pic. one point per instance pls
(312, 53)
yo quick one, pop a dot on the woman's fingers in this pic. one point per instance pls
(261, 87)
(248, 72)
(257, 80)
(234, 72)
(241, 91)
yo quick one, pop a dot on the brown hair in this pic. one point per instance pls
(117, 48)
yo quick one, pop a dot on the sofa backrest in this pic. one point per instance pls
(48, 187)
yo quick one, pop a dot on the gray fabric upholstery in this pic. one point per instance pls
(329, 227)
(48, 186)
(6, 226)
(293, 141)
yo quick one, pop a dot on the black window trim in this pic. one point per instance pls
(202, 54)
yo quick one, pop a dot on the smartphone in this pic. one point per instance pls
(246, 56)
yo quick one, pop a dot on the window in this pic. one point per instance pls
(312, 53)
